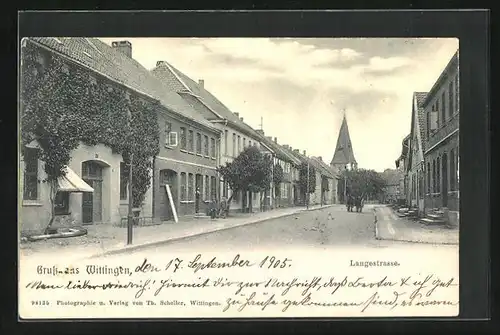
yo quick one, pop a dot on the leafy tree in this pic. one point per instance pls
(304, 177)
(278, 176)
(364, 183)
(250, 171)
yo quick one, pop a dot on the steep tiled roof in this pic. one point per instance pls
(279, 150)
(180, 82)
(325, 169)
(421, 117)
(105, 60)
(343, 151)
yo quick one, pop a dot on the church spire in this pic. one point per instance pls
(344, 154)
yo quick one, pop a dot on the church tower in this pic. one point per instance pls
(343, 158)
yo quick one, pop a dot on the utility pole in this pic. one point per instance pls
(307, 190)
(130, 202)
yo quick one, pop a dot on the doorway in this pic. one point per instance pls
(167, 177)
(444, 178)
(92, 201)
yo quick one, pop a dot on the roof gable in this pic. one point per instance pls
(418, 125)
(182, 83)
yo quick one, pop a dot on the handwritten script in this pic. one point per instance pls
(257, 285)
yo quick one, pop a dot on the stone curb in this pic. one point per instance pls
(378, 237)
(178, 238)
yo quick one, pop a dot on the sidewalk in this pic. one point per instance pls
(107, 239)
(388, 226)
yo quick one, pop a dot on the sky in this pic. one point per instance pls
(300, 87)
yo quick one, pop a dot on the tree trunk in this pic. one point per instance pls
(52, 196)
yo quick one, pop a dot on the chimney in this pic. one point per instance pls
(160, 63)
(237, 114)
(320, 158)
(125, 47)
(297, 151)
(201, 82)
(260, 131)
(304, 153)
(275, 140)
(241, 119)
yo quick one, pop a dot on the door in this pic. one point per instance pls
(444, 178)
(87, 204)
(92, 202)
(167, 177)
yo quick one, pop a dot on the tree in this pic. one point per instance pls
(278, 176)
(304, 177)
(250, 171)
(364, 183)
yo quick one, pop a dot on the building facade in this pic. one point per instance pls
(442, 112)
(415, 168)
(235, 134)
(187, 162)
(401, 167)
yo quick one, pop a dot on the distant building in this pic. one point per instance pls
(401, 167)
(343, 158)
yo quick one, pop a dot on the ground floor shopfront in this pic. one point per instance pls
(97, 168)
(192, 188)
(442, 179)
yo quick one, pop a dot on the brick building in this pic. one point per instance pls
(235, 133)
(442, 107)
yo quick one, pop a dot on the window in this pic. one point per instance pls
(438, 175)
(207, 187)
(451, 100)
(199, 184)
(183, 186)
(190, 187)
(421, 185)
(226, 139)
(239, 144)
(224, 189)
(123, 181)
(434, 188)
(198, 143)
(212, 147)
(244, 142)
(167, 130)
(428, 177)
(452, 170)
(205, 145)
(213, 187)
(191, 141)
(183, 139)
(249, 143)
(30, 191)
(61, 203)
(443, 108)
(457, 94)
(438, 119)
(234, 145)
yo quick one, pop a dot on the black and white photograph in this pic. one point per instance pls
(238, 177)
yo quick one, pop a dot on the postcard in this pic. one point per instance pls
(238, 177)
